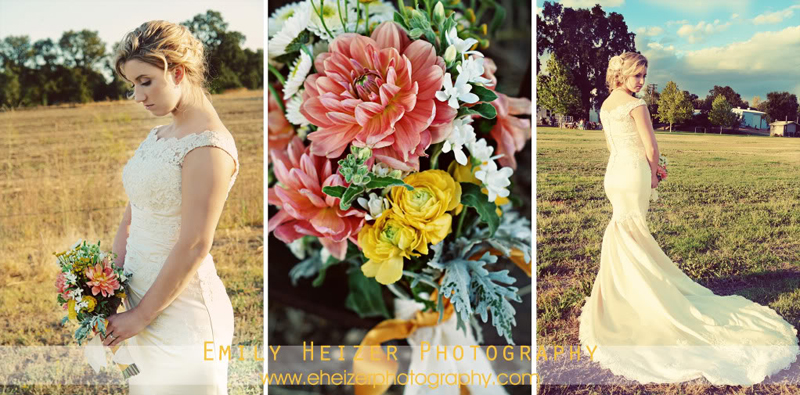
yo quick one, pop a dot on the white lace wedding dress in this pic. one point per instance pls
(170, 351)
(649, 320)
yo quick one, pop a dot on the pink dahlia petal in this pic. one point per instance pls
(390, 35)
(338, 249)
(332, 141)
(327, 221)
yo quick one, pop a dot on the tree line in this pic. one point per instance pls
(78, 67)
(581, 41)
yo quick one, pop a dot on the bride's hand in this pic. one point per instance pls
(123, 326)
(653, 181)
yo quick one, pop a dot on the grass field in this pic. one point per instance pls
(728, 215)
(61, 180)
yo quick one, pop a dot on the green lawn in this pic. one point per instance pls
(728, 215)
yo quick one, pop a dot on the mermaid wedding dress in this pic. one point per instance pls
(650, 321)
(170, 352)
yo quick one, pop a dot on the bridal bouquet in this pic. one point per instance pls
(392, 153)
(91, 288)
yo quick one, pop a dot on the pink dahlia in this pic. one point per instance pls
(377, 92)
(61, 283)
(511, 132)
(102, 279)
(305, 209)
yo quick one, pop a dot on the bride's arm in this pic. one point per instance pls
(645, 128)
(206, 175)
(121, 239)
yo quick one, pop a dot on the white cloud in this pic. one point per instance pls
(702, 6)
(775, 17)
(734, 16)
(591, 3)
(680, 22)
(766, 62)
(697, 33)
(650, 31)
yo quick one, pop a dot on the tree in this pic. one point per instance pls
(733, 98)
(556, 91)
(756, 101)
(584, 41)
(651, 97)
(780, 106)
(82, 49)
(9, 88)
(674, 106)
(721, 114)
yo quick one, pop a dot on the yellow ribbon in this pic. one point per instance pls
(394, 329)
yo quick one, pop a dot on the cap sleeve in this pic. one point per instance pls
(209, 138)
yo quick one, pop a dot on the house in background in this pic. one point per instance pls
(751, 118)
(784, 129)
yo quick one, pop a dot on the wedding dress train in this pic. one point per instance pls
(171, 352)
(650, 321)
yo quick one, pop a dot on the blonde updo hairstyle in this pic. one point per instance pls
(621, 67)
(166, 45)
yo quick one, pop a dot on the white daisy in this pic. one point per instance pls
(290, 31)
(494, 180)
(319, 47)
(297, 75)
(453, 93)
(462, 135)
(330, 13)
(379, 12)
(281, 15)
(76, 294)
(293, 113)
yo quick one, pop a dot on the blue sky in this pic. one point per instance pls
(751, 46)
(112, 19)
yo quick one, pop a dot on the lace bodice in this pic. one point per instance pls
(152, 180)
(621, 133)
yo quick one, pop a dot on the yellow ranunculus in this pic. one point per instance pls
(71, 313)
(465, 173)
(426, 207)
(91, 301)
(385, 243)
(121, 294)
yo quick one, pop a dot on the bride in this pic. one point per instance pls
(650, 321)
(177, 182)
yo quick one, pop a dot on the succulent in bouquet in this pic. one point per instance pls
(394, 154)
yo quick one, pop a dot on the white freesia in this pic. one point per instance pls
(298, 248)
(472, 69)
(383, 170)
(481, 151)
(462, 135)
(453, 93)
(81, 305)
(494, 180)
(71, 278)
(462, 46)
(297, 75)
(281, 15)
(376, 205)
(76, 294)
(330, 13)
(290, 31)
(293, 113)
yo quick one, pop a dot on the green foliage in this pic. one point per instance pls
(556, 91)
(721, 114)
(76, 68)
(781, 106)
(673, 106)
(583, 40)
(485, 110)
(365, 297)
(484, 95)
(472, 196)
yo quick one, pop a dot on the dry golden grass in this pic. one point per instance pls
(61, 180)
